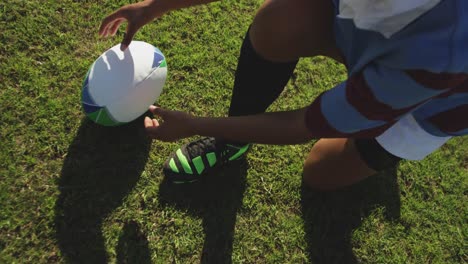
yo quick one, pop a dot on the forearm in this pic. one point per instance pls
(169, 5)
(279, 128)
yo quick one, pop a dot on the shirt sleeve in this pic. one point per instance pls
(373, 99)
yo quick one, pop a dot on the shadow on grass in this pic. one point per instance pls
(133, 246)
(216, 199)
(102, 166)
(331, 217)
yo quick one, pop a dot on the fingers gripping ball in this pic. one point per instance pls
(120, 86)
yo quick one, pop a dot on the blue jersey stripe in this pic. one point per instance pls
(433, 130)
(389, 86)
(341, 115)
(439, 105)
(460, 133)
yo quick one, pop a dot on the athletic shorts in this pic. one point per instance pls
(404, 140)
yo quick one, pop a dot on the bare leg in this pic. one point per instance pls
(333, 164)
(285, 30)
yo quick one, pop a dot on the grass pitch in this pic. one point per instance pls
(74, 192)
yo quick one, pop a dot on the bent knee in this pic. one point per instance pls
(284, 30)
(333, 164)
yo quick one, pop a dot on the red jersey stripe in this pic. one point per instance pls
(360, 96)
(317, 123)
(451, 121)
(320, 128)
(438, 81)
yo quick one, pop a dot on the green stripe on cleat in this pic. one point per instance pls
(239, 153)
(183, 160)
(211, 157)
(183, 182)
(198, 162)
(173, 166)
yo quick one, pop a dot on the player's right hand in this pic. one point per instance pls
(136, 15)
(171, 126)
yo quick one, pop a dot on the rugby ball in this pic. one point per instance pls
(121, 85)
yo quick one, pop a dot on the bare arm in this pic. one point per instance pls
(279, 128)
(140, 14)
(169, 5)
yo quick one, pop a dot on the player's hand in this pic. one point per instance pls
(136, 15)
(173, 125)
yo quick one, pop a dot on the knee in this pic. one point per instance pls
(313, 174)
(263, 39)
(285, 30)
(320, 183)
(333, 164)
(272, 36)
(317, 181)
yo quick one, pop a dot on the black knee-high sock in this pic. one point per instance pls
(258, 82)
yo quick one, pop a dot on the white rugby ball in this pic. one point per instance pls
(120, 86)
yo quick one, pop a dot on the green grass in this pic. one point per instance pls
(74, 192)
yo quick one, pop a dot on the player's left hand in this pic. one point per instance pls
(172, 125)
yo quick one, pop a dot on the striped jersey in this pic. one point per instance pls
(414, 60)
